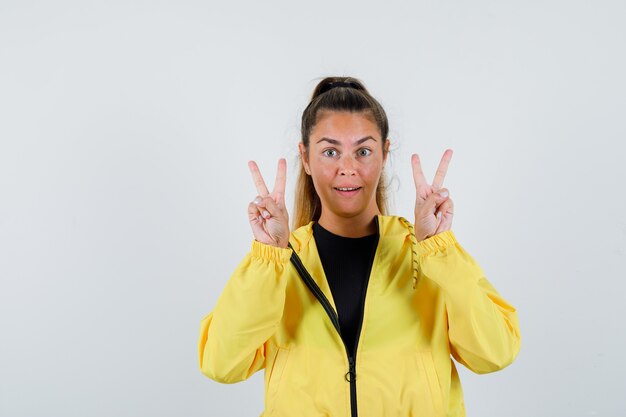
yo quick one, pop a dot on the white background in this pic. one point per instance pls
(126, 127)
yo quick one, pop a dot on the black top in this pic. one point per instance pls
(347, 264)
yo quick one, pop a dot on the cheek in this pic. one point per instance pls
(320, 174)
(372, 171)
(322, 167)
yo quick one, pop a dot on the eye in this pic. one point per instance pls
(364, 152)
(330, 153)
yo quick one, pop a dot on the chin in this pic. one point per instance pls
(348, 212)
(346, 209)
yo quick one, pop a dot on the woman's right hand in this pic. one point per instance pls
(267, 213)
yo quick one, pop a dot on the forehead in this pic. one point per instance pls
(344, 126)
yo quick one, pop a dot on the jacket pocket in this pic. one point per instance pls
(280, 361)
(427, 364)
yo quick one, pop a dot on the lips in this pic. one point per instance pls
(347, 188)
(348, 191)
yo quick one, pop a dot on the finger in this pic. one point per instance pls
(445, 219)
(259, 211)
(281, 179)
(258, 179)
(447, 207)
(268, 208)
(435, 199)
(273, 208)
(255, 218)
(442, 169)
(418, 175)
(253, 211)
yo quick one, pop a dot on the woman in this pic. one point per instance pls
(355, 312)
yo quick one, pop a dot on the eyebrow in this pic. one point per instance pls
(336, 142)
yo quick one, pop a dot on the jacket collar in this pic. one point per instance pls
(388, 227)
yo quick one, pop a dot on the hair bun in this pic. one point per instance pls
(333, 84)
(329, 83)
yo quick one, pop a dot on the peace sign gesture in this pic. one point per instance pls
(267, 213)
(433, 207)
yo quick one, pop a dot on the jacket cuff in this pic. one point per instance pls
(270, 253)
(436, 243)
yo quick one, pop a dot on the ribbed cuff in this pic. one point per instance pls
(270, 253)
(435, 243)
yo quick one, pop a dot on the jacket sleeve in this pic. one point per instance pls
(231, 346)
(483, 328)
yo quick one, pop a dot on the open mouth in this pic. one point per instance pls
(347, 191)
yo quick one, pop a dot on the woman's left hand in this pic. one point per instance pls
(433, 206)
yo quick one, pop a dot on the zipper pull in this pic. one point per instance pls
(351, 374)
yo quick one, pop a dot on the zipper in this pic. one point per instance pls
(310, 283)
(350, 376)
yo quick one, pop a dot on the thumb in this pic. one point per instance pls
(269, 208)
(436, 198)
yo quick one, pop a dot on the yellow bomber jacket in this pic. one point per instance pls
(425, 303)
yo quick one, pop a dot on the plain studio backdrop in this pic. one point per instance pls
(126, 128)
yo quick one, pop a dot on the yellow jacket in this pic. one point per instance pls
(425, 302)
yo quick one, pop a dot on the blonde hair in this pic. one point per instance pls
(335, 94)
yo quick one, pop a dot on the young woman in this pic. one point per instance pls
(355, 312)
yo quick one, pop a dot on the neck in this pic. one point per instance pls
(357, 226)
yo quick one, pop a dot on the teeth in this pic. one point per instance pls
(348, 189)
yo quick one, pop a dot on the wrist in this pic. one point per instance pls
(420, 235)
(270, 252)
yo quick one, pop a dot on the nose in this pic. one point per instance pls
(347, 166)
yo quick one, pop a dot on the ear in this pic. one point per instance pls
(304, 157)
(386, 150)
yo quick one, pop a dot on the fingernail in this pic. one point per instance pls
(443, 193)
(266, 214)
(439, 215)
(257, 200)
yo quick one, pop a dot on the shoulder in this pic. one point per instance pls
(393, 226)
(301, 237)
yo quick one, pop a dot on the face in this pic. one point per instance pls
(345, 159)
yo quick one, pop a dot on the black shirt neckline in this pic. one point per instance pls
(320, 231)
